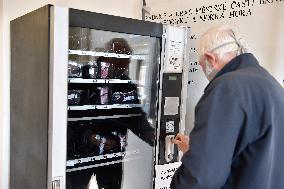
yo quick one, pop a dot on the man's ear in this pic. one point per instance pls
(212, 59)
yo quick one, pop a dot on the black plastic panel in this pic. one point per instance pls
(172, 85)
(86, 19)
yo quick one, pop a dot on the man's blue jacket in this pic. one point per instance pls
(238, 138)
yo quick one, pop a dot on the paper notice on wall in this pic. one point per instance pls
(164, 174)
(174, 49)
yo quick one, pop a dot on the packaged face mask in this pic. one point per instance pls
(105, 70)
(104, 95)
(94, 96)
(74, 69)
(74, 97)
(90, 71)
(124, 97)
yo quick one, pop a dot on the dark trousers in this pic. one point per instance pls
(108, 177)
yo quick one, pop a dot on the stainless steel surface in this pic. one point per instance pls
(56, 184)
(29, 100)
(169, 148)
(184, 94)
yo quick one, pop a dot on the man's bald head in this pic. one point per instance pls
(217, 47)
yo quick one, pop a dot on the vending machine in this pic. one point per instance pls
(95, 99)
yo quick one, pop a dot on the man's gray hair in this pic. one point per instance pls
(221, 40)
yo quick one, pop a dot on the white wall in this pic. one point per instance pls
(263, 30)
(1, 81)
(14, 8)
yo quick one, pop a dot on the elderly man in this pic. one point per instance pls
(238, 135)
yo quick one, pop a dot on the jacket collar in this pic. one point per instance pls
(243, 60)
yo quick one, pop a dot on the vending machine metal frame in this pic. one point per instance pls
(39, 90)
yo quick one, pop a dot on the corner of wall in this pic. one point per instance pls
(1, 88)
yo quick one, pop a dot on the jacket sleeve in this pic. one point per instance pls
(142, 128)
(219, 118)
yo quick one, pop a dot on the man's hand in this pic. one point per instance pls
(182, 141)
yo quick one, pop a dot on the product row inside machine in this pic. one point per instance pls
(95, 137)
(88, 67)
(102, 94)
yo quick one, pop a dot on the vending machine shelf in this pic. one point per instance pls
(103, 107)
(106, 54)
(73, 162)
(103, 117)
(102, 81)
(88, 162)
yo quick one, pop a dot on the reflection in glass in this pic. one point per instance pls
(117, 148)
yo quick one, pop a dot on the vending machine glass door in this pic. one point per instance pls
(113, 83)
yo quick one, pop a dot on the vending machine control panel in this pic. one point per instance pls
(174, 41)
(170, 117)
